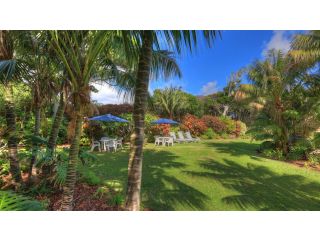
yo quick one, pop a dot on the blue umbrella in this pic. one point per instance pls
(108, 118)
(164, 121)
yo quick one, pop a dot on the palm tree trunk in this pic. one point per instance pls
(46, 169)
(68, 189)
(56, 124)
(37, 116)
(137, 138)
(12, 134)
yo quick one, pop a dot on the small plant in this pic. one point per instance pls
(102, 192)
(274, 154)
(314, 157)
(117, 200)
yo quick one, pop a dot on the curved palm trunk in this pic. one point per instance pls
(68, 189)
(46, 169)
(137, 138)
(12, 134)
(36, 132)
(56, 124)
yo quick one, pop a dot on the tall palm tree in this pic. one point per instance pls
(273, 80)
(148, 40)
(9, 69)
(79, 52)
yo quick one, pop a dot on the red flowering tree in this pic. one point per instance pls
(193, 124)
(215, 123)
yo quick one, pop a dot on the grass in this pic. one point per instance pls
(214, 175)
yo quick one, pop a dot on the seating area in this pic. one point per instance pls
(107, 144)
(183, 137)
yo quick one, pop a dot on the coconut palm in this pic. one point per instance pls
(80, 53)
(178, 41)
(286, 89)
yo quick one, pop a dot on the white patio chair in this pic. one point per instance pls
(119, 142)
(157, 140)
(182, 138)
(175, 139)
(168, 141)
(188, 136)
(111, 144)
(94, 145)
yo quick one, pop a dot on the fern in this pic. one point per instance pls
(10, 201)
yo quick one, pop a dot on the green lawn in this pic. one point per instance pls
(215, 175)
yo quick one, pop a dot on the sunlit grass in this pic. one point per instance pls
(214, 175)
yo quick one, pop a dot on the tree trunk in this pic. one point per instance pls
(35, 146)
(137, 138)
(68, 189)
(225, 110)
(46, 169)
(12, 134)
(56, 124)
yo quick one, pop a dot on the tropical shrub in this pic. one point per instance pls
(160, 129)
(214, 123)
(229, 123)
(209, 134)
(10, 201)
(193, 124)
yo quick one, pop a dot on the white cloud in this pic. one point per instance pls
(280, 40)
(209, 88)
(106, 94)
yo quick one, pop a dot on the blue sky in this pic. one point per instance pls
(207, 70)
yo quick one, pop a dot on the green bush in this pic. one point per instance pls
(90, 178)
(266, 145)
(229, 123)
(297, 153)
(210, 134)
(274, 154)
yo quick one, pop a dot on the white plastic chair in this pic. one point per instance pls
(111, 144)
(157, 140)
(168, 141)
(182, 138)
(119, 142)
(94, 145)
(175, 139)
(190, 138)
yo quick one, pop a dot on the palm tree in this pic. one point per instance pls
(9, 69)
(79, 52)
(148, 39)
(306, 47)
(170, 101)
(274, 80)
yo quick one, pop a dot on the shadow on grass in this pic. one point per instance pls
(236, 148)
(261, 188)
(160, 189)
